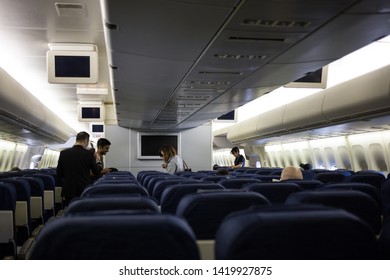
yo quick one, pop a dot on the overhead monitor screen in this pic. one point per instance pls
(72, 66)
(90, 112)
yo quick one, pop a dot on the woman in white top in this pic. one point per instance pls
(173, 163)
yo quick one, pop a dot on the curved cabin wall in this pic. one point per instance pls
(23, 115)
(366, 96)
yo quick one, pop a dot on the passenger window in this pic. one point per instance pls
(344, 156)
(307, 157)
(281, 158)
(330, 158)
(273, 159)
(3, 156)
(297, 155)
(318, 158)
(377, 156)
(289, 158)
(8, 158)
(358, 153)
(267, 160)
(15, 159)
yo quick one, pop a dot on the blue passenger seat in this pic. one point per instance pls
(107, 189)
(205, 211)
(139, 237)
(355, 202)
(237, 183)
(110, 206)
(7, 220)
(329, 177)
(172, 195)
(22, 210)
(294, 232)
(375, 179)
(275, 192)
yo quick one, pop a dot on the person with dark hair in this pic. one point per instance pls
(75, 166)
(306, 166)
(103, 147)
(239, 160)
(172, 162)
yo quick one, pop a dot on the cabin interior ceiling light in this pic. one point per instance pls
(72, 47)
(71, 9)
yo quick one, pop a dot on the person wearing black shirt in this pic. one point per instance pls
(239, 159)
(74, 167)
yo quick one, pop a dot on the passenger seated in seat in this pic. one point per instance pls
(291, 173)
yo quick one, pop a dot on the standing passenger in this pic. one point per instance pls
(239, 160)
(103, 147)
(74, 167)
(172, 162)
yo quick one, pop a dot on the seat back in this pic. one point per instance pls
(7, 220)
(117, 181)
(205, 211)
(362, 187)
(105, 190)
(142, 175)
(109, 205)
(357, 203)
(384, 241)
(213, 178)
(23, 207)
(329, 177)
(172, 195)
(274, 192)
(305, 184)
(373, 179)
(141, 237)
(162, 185)
(296, 232)
(152, 180)
(37, 189)
(237, 183)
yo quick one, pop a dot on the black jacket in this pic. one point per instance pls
(74, 170)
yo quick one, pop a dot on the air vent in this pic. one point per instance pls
(275, 23)
(222, 73)
(193, 97)
(240, 56)
(257, 39)
(166, 119)
(209, 83)
(71, 9)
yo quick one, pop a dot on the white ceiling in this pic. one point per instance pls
(172, 65)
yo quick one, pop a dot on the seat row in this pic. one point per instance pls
(361, 199)
(263, 232)
(26, 202)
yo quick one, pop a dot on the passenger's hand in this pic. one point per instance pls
(106, 170)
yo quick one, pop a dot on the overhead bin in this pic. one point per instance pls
(305, 113)
(367, 96)
(35, 121)
(244, 131)
(364, 96)
(268, 123)
(271, 122)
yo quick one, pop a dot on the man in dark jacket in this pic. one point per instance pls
(75, 166)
